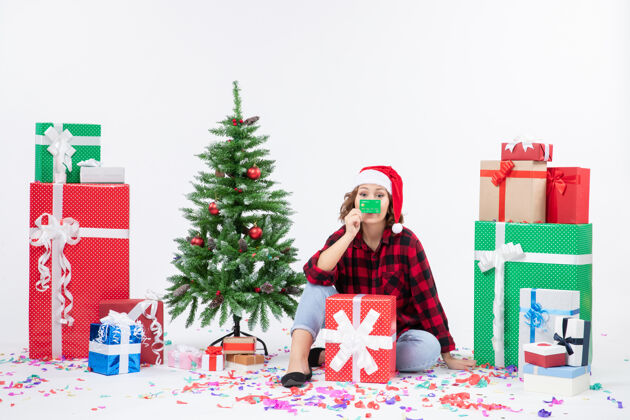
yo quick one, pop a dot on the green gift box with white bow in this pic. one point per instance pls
(60, 147)
(511, 256)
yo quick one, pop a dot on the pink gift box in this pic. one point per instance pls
(184, 357)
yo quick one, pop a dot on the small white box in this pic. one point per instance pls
(102, 175)
(578, 333)
(564, 380)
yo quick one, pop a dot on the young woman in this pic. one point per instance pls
(374, 254)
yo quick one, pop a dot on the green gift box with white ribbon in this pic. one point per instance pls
(511, 256)
(60, 147)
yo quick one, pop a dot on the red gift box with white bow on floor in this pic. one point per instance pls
(360, 338)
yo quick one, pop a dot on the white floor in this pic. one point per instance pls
(33, 389)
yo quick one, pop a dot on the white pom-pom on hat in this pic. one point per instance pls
(397, 227)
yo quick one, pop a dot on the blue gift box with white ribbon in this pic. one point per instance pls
(539, 309)
(115, 345)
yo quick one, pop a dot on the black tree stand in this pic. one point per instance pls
(236, 332)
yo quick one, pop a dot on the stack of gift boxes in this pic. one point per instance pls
(238, 353)
(533, 268)
(79, 258)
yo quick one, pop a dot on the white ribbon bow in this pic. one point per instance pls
(526, 145)
(56, 235)
(90, 163)
(61, 150)
(496, 259)
(354, 342)
(491, 259)
(118, 319)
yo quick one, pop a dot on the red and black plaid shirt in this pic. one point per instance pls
(398, 267)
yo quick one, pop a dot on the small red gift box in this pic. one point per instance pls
(568, 195)
(150, 313)
(524, 150)
(79, 255)
(545, 354)
(360, 338)
(239, 345)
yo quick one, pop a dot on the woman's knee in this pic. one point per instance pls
(417, 350)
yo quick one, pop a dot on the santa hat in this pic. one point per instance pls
(388, 178)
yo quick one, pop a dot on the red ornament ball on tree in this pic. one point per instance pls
(197, 241)
(255, 232)
(213, 209)
(283, 290)
(253, 172)
(257, 289)
(218, 293)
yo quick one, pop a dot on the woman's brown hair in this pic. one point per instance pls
(348, 205)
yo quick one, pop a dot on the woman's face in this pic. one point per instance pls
(373, 192)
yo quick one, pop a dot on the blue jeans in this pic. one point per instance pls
(416, 350)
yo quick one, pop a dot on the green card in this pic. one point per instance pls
(370, 206)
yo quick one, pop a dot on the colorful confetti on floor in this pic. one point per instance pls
(68, 390)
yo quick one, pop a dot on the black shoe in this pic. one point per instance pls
(298, 379)
(313, 356)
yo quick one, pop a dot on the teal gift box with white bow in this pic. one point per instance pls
(60, 147)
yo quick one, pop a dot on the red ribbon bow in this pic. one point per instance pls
(500, 175)
(556, 181)
(214, 350)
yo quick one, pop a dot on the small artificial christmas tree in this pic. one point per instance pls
(235, 260)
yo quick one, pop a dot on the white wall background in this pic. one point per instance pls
(428, 87)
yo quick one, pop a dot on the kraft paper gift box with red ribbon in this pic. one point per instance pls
(115, 345)
(527, 150)
(562, 380)
(184, 357)
(538, 312)
(60, 147)
(575, 336)
(512, 191)
(150, 312)
(212, 359)
(79, 255)
(568, 195)
(239, 345)
(360, 337)
(545, 354)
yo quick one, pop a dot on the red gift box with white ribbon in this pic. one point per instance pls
(150, 312)
(79, 255)
(360, 338)
(527, 150)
